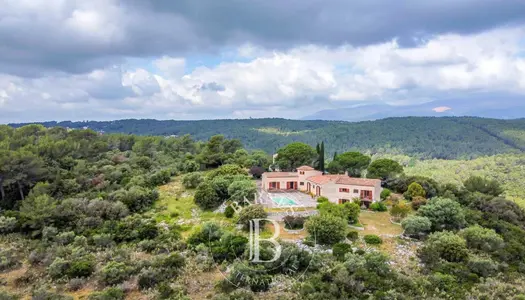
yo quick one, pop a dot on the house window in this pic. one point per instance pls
(302, 183)
(343, 201)
(344, 190)
(274, 185)
(356, 191)
(366, 195)
(301, 172)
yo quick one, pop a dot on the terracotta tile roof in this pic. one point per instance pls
(343, 179)
(322, 179)
(280, 174)
(358, 181)
(305, 168)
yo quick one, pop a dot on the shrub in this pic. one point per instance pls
(58, 268)
(8, 259)
(229, 212)
(399, 211)
(416, 226)
(192, 180)
(352, 235)
(210, 232)
(49, 234)
(484, 267)
(385, 193)
(414, 190)
(294, 222)
(378, 206)
(103, 240)
(149, 278)
(485, 186)
(74, 284)
(351, 210)
(8, 296)
(417, 202)
(227, 170)
(206, 197)
(65, 238)
(482, 239)
(191, 166)
(373, 239)
(326, 229)
(445, 214)
(242, 189)
(81, 268)
(43, 293)
(7, 224)
(250, 213)
(110, 293)
(114, 273)
(339, 250)
(444, 245)
(322, 199)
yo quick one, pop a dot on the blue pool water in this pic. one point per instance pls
(283, 201)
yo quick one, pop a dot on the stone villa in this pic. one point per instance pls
(337, 188)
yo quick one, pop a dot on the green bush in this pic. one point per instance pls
(294, 222)
(81, 268)
(322, 199)
(352, 235)
(373, 239)
(326, 229)
(192, 180)
(115, 273)
(65, 238)
(250, 213)
(385, 193)
(7, 224)
(8, 259)
(378, 206)
(206, 197)
(110, 293)
(150, 277)
(444, 245)
(414, 190)
(8, 296)
(339, 250)
(416, 226)
(44, 293)
(57, 269)
(229, 212)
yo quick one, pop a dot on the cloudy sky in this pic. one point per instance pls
(196, 59)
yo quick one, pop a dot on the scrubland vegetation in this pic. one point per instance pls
(114, 216)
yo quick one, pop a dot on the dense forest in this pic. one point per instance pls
(94, 216)
(423, 137)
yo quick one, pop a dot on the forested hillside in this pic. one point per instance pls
(96, 216)
(423, 137)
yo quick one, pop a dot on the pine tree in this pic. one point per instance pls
(321, 157)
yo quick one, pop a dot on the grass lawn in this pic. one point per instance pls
(378, 223)
(175, 202)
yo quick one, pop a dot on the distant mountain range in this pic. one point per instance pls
(486, 106)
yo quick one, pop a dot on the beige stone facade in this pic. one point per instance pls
(337, 188)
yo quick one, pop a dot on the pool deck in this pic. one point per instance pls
(302, 200)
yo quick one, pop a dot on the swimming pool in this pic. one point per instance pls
(283, 201)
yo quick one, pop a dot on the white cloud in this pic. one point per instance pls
(289, 83)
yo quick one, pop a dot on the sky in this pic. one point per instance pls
(206, 59)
